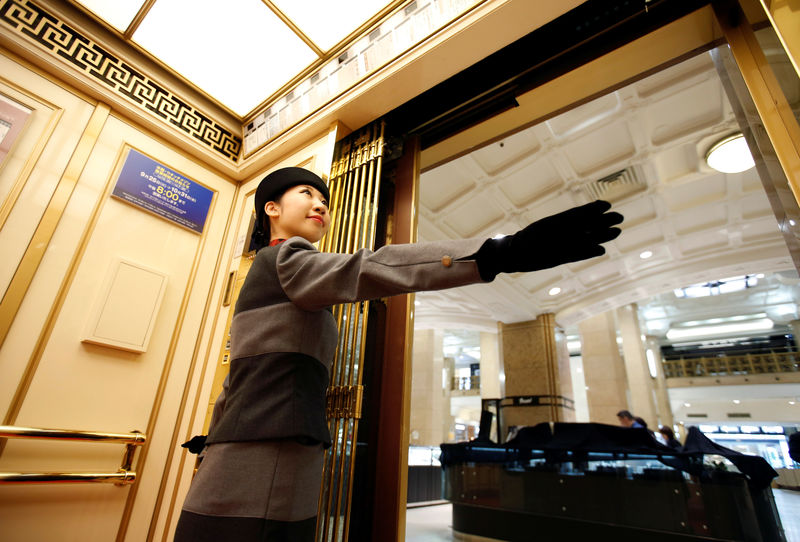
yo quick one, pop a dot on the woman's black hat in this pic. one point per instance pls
(272, 187)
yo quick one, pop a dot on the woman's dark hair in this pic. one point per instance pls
(667, 432)
(640, 421)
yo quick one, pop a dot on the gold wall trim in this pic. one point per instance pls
(44, 335)
(34, 24)
(162, 488)
(168, 361)
(36, 152)
(785, 19)
(137, 20)
(33, 255)
(294, 28)
(771, 104)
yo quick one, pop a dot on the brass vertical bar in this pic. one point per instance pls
(333, 187)
(351, 342)
(340, 197)
(379, 163)
(335, 205)
(339, 205)
(375, 174)
(339, 444)
(351, 204)
(343, 218)
(360, 206)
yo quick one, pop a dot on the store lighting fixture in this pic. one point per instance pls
(730, 155)
(646, 254)
(736, 401)
(761, 324)
(554, 291)
(687, 405)
(651, 363)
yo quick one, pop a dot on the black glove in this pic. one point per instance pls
(195, 445)
(569, 236)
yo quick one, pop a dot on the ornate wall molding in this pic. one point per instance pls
(31, 21)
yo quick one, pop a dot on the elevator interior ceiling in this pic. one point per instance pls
(242, 53)
(698, 224)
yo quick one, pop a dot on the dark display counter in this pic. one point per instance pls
(579, 481)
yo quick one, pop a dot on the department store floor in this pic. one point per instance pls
(432, 523)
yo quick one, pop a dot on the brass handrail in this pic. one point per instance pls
(119, 478)
(123, 476)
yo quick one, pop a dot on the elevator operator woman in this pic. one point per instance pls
(260, 476)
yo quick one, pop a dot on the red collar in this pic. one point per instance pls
(276, 242)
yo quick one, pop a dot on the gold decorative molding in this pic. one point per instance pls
(33, 23)
(22, 178)
(47, 225)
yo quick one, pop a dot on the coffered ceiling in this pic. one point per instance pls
(698, 224)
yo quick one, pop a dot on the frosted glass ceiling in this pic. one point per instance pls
(117, 13)
(239, 55)
(327, 23)
(239, 52)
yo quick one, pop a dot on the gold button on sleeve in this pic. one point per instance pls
(447, 261)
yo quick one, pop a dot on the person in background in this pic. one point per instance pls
(794, 446)
(626, 419)
(669, 437)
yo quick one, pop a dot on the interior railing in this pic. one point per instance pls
(123, 476)
(747, 364)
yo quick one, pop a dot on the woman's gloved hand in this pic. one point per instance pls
(569, 236)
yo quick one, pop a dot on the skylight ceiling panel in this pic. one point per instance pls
(118, 13)
(238, 51)
(327, 23)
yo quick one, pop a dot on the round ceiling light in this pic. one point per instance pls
(730, 155)
(554, 291)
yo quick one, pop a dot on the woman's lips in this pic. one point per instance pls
(318, 219)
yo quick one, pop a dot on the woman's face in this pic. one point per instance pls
(301, 211)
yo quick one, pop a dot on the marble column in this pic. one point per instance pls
(795, 325)
(430, 401)
(537, 379)
(603, 368)
(641, 383)
(663, 405)
(490, 366)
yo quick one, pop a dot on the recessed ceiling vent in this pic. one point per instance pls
(617, 186)
(739, 415)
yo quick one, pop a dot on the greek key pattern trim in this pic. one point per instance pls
(30, 20)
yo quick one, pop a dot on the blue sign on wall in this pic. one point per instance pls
(159, 190)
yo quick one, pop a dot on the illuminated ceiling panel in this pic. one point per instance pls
(237, 51)
(118, 13)
(327, 23)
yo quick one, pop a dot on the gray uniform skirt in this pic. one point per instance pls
(253, 491)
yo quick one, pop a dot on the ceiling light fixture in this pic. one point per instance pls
(761, 324)
(730, 155)
(554, 291)
(646, 254)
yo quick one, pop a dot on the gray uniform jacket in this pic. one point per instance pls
(283, 334)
